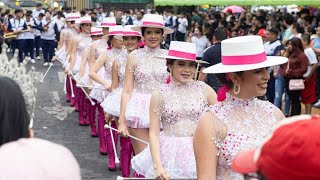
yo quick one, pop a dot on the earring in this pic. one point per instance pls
(163, 41)
(236, 86)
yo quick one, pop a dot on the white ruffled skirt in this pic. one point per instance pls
(111, 104)
(98, 92)
(137, 112)
(177, 158)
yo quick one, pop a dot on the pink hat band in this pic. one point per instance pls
(152, 23)
(181, 54)
(108, 24)
(131, 34)
(73, 17)
(112, 33)
(244, 59)
(96, 33)
(85, 21)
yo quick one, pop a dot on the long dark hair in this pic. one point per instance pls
(14, 118)
(297, 47)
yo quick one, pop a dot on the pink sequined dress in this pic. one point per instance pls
(111, 104)
(82, 42)
(105, 73)
(248, 122)
(180, 109)
(150, 73)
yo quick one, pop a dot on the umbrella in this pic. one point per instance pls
(28, 4)
(234, 9)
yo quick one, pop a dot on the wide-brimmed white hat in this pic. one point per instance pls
(96, 31)
(83, 20)
(72, 16)
(108, 22)
(128, 31)
(182, 51)
(116, 31)
(153, 21)
(242, 54)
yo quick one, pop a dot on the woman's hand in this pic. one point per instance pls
(161, 173)
(123, 129)
(107, 86)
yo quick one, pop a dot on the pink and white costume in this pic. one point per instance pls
(179, 110)
(150, 72)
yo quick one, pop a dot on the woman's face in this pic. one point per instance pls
(105, 30)
(152, 37)
(96, 37)
(70, 24)
(131, 42)
(117, 43)
(183, 71)
(197, 31)
(252, 83)
(86, 27)
(318, 31)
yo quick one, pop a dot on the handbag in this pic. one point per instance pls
(296, 84)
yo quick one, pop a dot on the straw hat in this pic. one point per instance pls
(83, 20)
(128, 31)
(242, 54)
(96, 31)
(182, 51)
(108, 22)
(153, 21)
(289, 153)
(72, 16)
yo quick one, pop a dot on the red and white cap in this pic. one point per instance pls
(153, 21)
(291, 152)
(182, 51)
(108, 22)
(72, 16)
(242, 54)
(96, 31)
(128, 31)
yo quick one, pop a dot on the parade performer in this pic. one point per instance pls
(240, 121)
(145, 72)
(78, 45)
(85, 80)
(177, 106)
(111, 104)
(106, 60)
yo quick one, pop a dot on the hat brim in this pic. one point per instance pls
(244, 162)
(104, 26)
(166, 30)
(77, 26)
(221, 68)
(184, 59)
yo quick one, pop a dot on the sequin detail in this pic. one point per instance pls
(180, 108)
(149, 73)
(248, 122)
(83, 40)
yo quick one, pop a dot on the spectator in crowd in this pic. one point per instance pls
(287, 22)
(138, 19)
(297, 31)
(315, 44)
(37, 32)
(201, 41)
(37, 11)
(100, 14)
(182, 27)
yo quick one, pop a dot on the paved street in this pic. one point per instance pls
(57, 122)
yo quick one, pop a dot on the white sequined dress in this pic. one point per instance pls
(180, 109)
(248, 122)
(111, 104)
(62, 54)
(82, 42)
(100, 94)
(150, 72)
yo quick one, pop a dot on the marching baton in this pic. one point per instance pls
(71, 85)
(92, 103)
(114, 146)
(65, 84)
(45, 74)
(133, 137)
(91, 87)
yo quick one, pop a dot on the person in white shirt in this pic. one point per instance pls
(49, 30)
(17, 25)
(29, 39)
(61, 23)
(37, 11)
(138, 20)
(182, 28)
(308, 94)
(37, 33)
(101, 14)
(201, 41)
